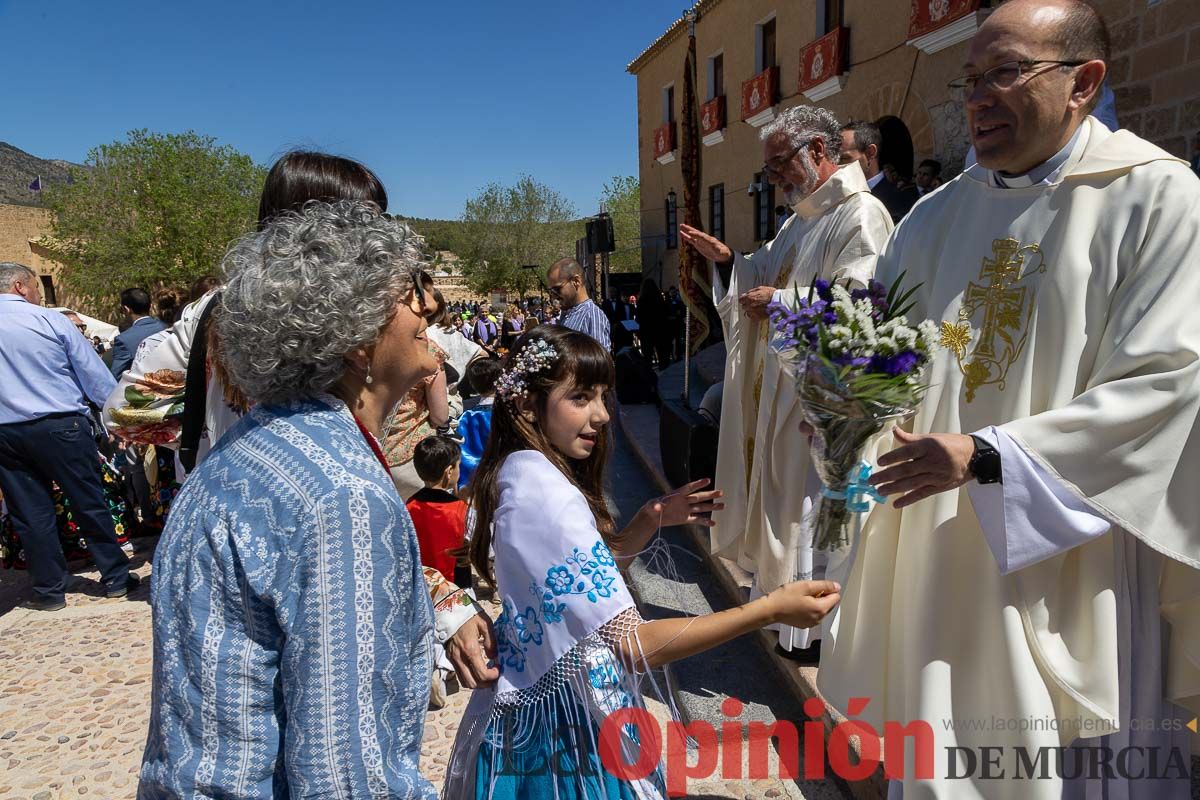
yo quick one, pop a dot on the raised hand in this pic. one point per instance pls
(709, 247)
(803, 604)
(684, 506)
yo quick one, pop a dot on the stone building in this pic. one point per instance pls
(878, 60)
(21, 227)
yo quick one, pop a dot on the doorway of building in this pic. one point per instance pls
(897, 148)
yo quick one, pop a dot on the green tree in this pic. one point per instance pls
(155, 210)
(504, 228)
(622, 198)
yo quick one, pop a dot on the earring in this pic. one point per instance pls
(369, 379)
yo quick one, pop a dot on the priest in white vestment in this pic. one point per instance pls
(836, 233)
(1035, 585)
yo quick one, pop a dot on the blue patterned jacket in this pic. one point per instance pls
(292, 628)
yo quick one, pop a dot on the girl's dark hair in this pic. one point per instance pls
(167, 305)
(203, 286)
(583, 363)
(301, 175)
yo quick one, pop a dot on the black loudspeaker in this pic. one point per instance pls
(636, 379)
(600, 235)
(688, 442)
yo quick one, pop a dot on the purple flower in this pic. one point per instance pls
(823, 290)
(899, 364)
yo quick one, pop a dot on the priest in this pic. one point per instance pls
(1031, 590)
(836, 233)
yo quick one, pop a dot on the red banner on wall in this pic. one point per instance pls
(823, 59)
(712, 116)
(929, 15)
(664, 139)
(759, 93)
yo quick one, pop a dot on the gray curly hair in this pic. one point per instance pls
(307, 290)
(802, 124)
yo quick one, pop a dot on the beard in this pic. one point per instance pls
(802, 190)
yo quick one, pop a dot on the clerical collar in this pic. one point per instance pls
(873, 182)
(1045, 173)
(847, 180)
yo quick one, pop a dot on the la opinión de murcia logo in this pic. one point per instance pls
(632, 744)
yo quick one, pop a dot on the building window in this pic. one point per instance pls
(764, 45)
(764, 208)
(829, 16)
(716, 76)
(48, 296)
(716, 211)
(672, 223)
(668, 98)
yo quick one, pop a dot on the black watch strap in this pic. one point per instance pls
(985, 462)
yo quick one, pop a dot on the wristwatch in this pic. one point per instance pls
(985, 462)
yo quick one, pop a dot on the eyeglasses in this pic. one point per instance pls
(557, 288)
(1001, 77)
(770, 165)
(82, 327)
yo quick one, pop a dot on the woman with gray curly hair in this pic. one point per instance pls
(293, 630)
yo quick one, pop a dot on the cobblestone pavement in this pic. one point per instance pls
(75, 697)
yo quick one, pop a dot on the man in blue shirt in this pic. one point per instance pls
(136, 305)
(49, 371)
(579, 312)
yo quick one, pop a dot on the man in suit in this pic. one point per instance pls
(135, 303)
(929, 176)
(861, 142)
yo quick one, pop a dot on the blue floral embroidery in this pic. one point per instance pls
(529, 629)
(587, 575)
(602, 586)
(603, 555)
(509, 648)
(578, 570)
(559, 580)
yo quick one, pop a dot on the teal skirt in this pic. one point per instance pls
(558, 762)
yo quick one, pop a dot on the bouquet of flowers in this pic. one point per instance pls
(858, 364)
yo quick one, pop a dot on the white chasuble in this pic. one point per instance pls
(763, 464)
(1067, 317)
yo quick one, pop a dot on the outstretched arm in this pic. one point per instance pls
(645, 645)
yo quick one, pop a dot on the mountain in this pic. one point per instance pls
(18, 169)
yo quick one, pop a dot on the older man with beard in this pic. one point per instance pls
(837, 231)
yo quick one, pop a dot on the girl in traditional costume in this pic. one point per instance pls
(571, 645)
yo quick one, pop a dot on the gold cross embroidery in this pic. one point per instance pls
(1007, 309)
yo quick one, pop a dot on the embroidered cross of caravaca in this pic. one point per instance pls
(1006, 306)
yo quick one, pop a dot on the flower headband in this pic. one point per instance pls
(536, 357)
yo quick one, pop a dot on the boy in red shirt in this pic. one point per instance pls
(439, 516)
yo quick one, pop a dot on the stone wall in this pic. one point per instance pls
(1155, 70)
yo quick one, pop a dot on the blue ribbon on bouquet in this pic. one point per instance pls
(859, 493)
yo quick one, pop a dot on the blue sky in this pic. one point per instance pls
(439, 98)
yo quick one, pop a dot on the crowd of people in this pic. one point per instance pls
(347, 459)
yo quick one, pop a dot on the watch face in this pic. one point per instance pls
(987, 466)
